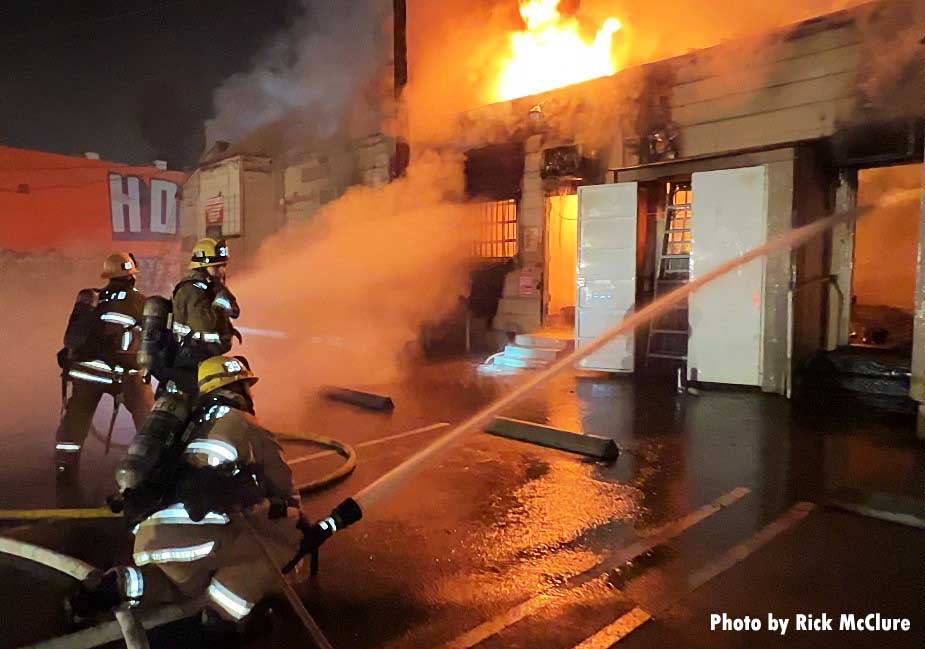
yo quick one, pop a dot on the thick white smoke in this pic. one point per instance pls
(304, 81)
(352, 287)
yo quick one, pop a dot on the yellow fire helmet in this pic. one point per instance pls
(219, 371)
(119, 264)
(209, 252)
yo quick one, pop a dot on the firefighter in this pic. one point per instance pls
(186, 516)
(187, 539)
(203, 308)
(99, 357)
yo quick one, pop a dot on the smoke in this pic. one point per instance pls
(36, 303)
(351, 287)
(895, 34)
(319, 77)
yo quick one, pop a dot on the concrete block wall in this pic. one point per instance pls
(374, 160)
(518, 311)
(319, 177)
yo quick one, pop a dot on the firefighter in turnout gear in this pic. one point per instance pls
(99, 357)
(189, 540)
(203, 309)
(177, 335)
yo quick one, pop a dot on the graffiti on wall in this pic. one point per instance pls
(143, 209)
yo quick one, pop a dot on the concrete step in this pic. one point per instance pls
(516, 351)
(520, 363)
(540, 342)
(497, 370)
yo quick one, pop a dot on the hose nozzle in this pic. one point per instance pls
(315, 534)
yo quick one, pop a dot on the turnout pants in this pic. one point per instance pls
(78, 413)
(217, 556)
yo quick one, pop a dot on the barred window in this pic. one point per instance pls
(497, 236)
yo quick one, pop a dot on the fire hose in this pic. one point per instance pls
(61, 562)
(111, 631)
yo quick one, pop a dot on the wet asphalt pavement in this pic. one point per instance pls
(506, 544)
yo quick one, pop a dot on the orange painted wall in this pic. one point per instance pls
(66, 205)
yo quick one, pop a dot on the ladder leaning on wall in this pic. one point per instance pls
(669, 332)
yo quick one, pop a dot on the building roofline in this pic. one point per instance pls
(803, 28)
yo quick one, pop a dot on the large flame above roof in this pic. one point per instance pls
(551, 52)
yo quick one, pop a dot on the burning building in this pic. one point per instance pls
(646, 178)
(597, 197)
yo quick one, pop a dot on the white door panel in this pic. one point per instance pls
(597, 322)
(606, 271)
(729, 219)
(609, 233)
(606, 293)
(600, 264)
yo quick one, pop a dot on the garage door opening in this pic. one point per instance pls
(561, 258)
(883, 285)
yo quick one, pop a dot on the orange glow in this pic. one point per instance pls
(552, 53)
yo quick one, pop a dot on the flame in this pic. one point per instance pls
(551, 53)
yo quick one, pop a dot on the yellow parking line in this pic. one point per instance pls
(38, 514)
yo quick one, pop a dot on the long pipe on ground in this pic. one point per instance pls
(388, 483)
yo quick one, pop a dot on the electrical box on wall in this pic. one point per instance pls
(570, 163)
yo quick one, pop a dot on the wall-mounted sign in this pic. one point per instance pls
(142, 209)
(215, 210)
(527, 284)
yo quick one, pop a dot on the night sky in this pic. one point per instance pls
(129, 79)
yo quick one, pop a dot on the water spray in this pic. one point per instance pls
(392, 480)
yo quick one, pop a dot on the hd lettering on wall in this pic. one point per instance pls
(142, 208)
